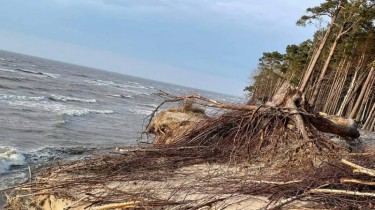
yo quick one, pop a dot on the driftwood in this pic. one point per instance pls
(359, 169)
(126, 205)
(342, 192)
(356, 181)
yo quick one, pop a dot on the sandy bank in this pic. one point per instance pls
(194, 187)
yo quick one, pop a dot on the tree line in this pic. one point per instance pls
(334, 70)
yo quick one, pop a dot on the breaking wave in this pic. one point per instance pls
(58, 108)
(100, 82)
(127, 86)
(120, 96)
(21, 98)
(40, 103)
(45, 74)
(80, 112)
(9, 157)
(7, 70)
(67, 98)
(140, 111)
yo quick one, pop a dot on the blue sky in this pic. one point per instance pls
(206, 44)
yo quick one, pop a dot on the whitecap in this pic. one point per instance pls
(43, 74)
(150, 105)
(21, 98)
(120, 96)
(100, 82)
(140, 111)
(7, 70)
(67, 98)
(39, 103)
(80, 112)
(10, 157)
(54, 76)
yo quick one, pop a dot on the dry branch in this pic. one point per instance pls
(125, 205)
(341, 192)
(273, 183)
(358, 168)
(356, 181)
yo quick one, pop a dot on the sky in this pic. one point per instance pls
(207, 44)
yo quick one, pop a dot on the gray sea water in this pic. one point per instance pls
(52, 111)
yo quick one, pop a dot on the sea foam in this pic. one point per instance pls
(7, 70)
(21, 98)
(40, 103)
(67, 98)
(44, 74)
(10, 157)
(80, 112)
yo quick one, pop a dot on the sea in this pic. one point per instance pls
(52, 112)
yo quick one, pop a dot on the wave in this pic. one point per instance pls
(67, 98)
(40, 103)
(100, 82)
(127, 86)
(150, 105)
(4, 87)
(46, 154)
(7, 70)
(140, 111)
(58, 108)
(9, 157)
(45, 74)
(120, 96)
(13, 162)
(21, 98)
(81, 112)
(14, 79)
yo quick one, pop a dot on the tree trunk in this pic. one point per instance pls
(351, 87)
(325, 67)
(315, 58)
(345, 128)
(338, 83)
(361, 111)
(289, 97)
(370, 118)
(361, 95)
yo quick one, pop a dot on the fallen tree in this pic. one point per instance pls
(289, 101)
(285, 126)
(276, 151)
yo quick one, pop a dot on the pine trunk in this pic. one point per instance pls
(325, 68)
(316, 56)
(362, 94)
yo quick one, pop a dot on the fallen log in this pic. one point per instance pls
(346, 128)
